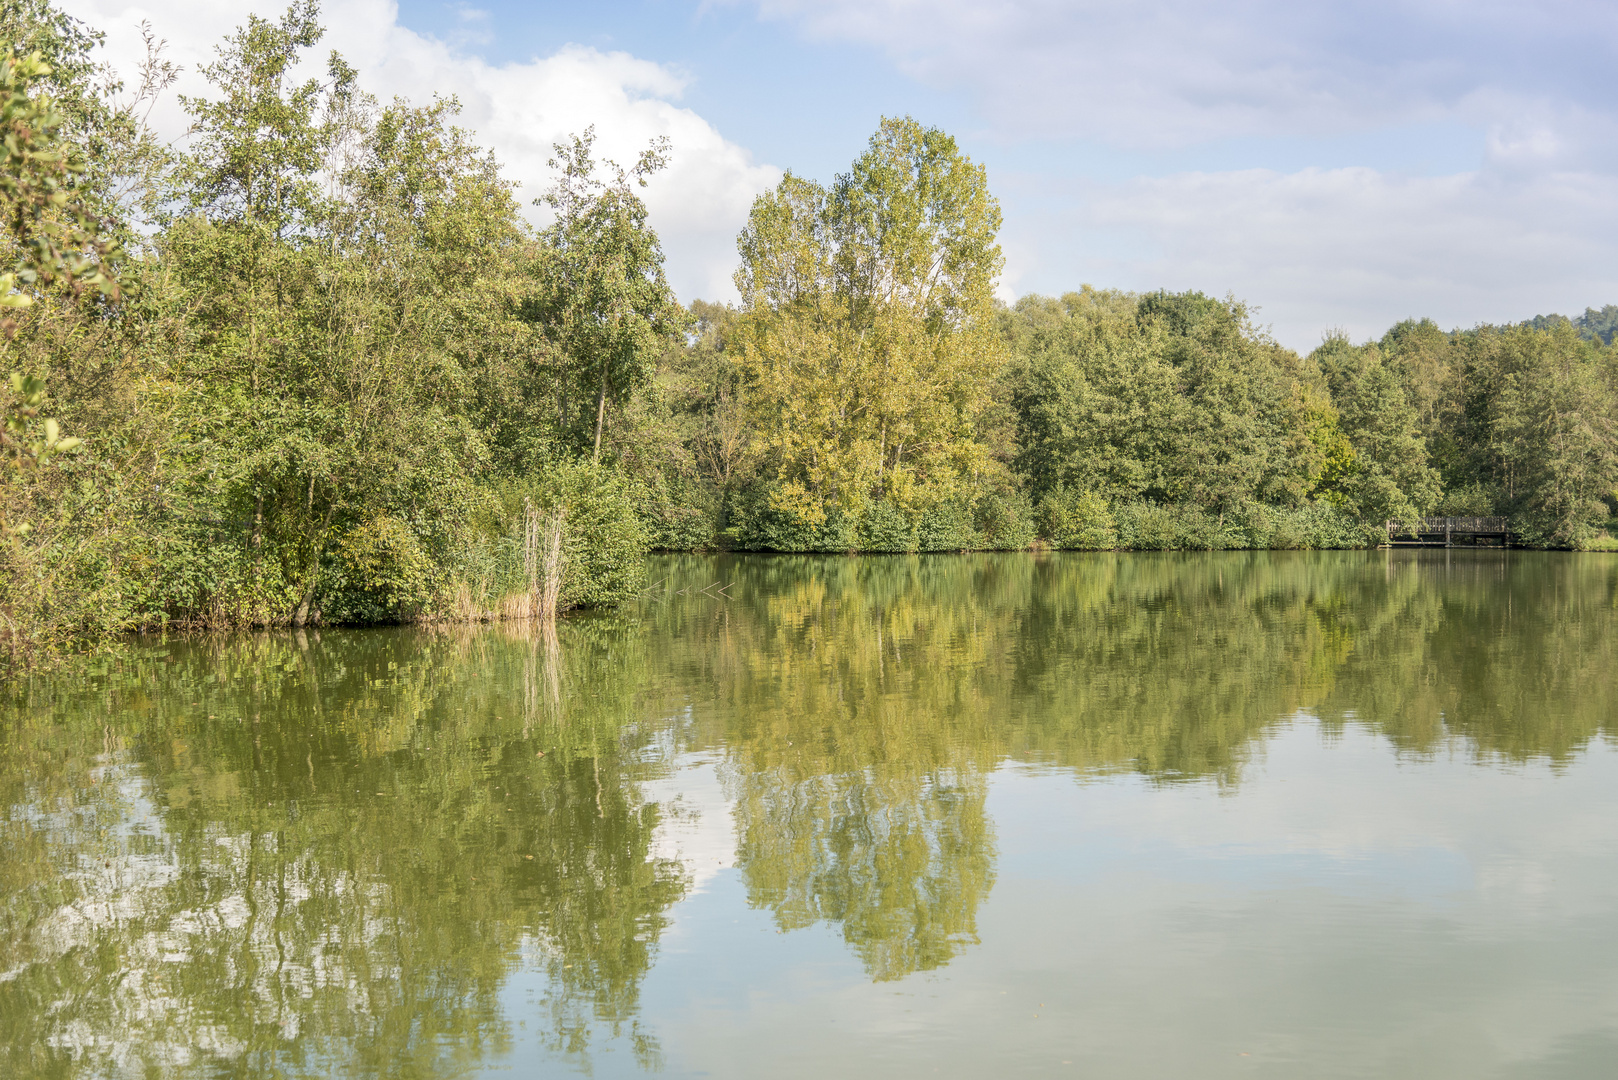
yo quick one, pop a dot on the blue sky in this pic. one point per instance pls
(1337, 165)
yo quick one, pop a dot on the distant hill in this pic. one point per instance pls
(1593, 324)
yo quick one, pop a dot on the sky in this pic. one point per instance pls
(1337, 166)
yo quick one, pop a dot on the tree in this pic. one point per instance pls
(1598, 325)
(712, 386)
(326, 265)
(1240, 440)
(57, 236)
(868, 334)
(121, 158)
(1389, 477)
(1096, 397)
(58, 241)
(1556, 433)
(1169, 397)
(603, 298)
(259, 146)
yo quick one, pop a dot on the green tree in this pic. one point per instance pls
(1240, 440)
(60, 250)
(602, 297)
(56, 237)
(1555, 435)
(329, 266)
(1598, 325)
(1389, 476)
(868, 335)
(1168, 398)
(1097, 399)
(257, 148)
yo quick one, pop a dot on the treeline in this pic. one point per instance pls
(1596, 324)
(1117, 420)
(320, 368)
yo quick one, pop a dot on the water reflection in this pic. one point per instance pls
(295, 854)
(303, 854)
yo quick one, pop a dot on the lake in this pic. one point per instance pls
(1333, 814)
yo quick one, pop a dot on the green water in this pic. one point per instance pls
(1285, 815)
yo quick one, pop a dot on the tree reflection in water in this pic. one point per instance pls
(302, 856)
(293, 855)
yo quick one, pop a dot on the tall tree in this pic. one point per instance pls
(1389, 476)
(1555, 432)
(1241, 439)
(324, 263)
(868, 336)
(603, 297)
(1097, 400)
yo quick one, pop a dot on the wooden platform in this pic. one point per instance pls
(1452, 532)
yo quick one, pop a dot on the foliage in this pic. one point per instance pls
(327, 362)
(867, 337)
(1167, 397)
(57, 237)
(1005, 521)
(1382, 473)
(1078, 520)
(1523, 423)
(311, 364)
(1598, 325)
(62, 254)
(603, 540)
(602, 295)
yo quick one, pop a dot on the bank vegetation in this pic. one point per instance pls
(314, 364)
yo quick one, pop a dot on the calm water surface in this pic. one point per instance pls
(1282, 815)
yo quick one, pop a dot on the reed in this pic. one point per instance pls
(542, 562)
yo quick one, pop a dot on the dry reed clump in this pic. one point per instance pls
(539, 595)
(542, 563)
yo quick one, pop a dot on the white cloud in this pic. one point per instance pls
(697, 205)
(1353, 248)
(1185, 71)
(1531, 229)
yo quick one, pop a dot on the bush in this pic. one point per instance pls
(1077, 520)
(1005, 521)
(945, 526)
(756, 525)
(604, 542)
(1146, 527)
(381, 573)
(885, 527)
(677, 513)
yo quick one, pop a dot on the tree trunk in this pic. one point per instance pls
(601, 413)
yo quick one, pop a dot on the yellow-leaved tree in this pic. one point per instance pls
(868, 336)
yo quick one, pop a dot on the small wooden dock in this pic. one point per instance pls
(1447, 532)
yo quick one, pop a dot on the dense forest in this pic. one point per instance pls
(313, 364)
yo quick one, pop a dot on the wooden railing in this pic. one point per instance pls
(1448, 529)
(1431, 525)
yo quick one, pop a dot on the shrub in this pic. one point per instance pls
(885, 527)
(1077, 520)
(1005, 521)
(944, 526)
(677, 513)
(604, 542)
(381, 573)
